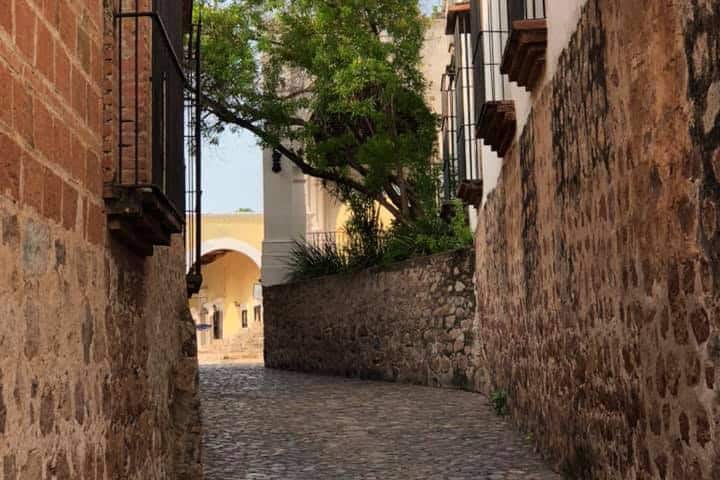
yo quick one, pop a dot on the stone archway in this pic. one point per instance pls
(231, 272)
(230, 244)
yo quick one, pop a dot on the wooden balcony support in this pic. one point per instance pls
(524, 56)
(471, 192)
(496, 125)
(454, 11)
(141, 217)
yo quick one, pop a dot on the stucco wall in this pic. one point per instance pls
(228, 284)
(597, 254)
(245, 227)
(408, 323)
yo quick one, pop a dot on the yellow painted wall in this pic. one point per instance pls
(247, 227)
(229, 281)
(386, 218)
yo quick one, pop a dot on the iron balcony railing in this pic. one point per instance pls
(150, 72)
(525, 10)
(324, 240)
(193, 153)
(491, 25)
(448, 135)
(461, 155)
(158, 124)
(490, 32)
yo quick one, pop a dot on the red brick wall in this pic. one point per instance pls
(98, 374)
(50, 142)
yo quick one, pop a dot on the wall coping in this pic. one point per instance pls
(392, 267)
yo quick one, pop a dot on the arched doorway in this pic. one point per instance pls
(228, 308)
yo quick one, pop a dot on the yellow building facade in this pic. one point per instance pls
(228, 311)
(228, 308)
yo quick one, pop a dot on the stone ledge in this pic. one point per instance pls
(524, 57)
(141, 217)
(497, 125)
(471, 192)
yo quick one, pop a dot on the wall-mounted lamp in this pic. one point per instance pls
(276, 165)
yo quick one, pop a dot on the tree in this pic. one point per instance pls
(332, 85)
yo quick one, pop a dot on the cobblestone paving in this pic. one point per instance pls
(267, 424)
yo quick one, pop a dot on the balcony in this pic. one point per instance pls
(497, 125)
(146, 198)
(495, 111)
(462, 172)
(141, 217)
(524, 57)
(471, 192)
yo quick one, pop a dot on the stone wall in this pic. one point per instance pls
(98, 374)
(598, 254)
(409, 323)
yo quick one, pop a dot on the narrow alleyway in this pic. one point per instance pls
(266, 424)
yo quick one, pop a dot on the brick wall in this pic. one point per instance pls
(97, 376)
(409, 323)
(597, 258)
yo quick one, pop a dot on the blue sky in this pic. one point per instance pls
(232, 175)
(232, 170)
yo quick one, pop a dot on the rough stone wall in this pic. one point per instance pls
(98, 374)
(597, 255)
(408, 323)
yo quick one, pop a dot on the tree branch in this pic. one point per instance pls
(227, 116)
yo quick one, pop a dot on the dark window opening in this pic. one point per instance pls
(244, 318)
(217, 324)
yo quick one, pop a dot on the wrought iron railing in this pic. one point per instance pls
(491, 25)
(150, 85)
(193, 153)
(323, 240)
(490, 31)
(461, 156)
(525, 10)
(448, 133)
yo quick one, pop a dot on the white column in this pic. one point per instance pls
(285, 220)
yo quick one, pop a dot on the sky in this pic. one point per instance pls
(232, 174)
(232, 170)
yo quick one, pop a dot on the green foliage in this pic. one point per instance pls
(310, 261)
(368, 245)
(429, 235)
(365, 237)
(499, 403)
(335, 86)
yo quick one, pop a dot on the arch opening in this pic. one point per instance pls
(228, 308)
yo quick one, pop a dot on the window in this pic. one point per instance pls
(257, 291)
(258, 313)
(244, 318)
(217, 324)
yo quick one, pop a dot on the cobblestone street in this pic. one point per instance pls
(266, 424)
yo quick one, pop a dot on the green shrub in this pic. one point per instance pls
(428, 236)
(498, 401)
(310, 261)
(368, 245)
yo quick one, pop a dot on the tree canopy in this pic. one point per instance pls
(333, 85)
